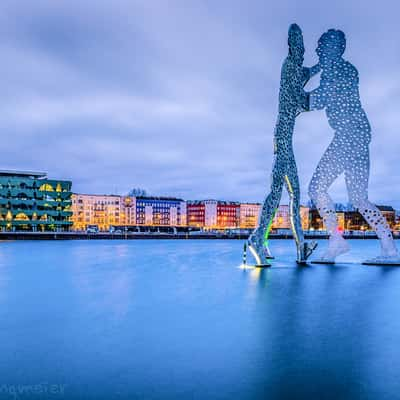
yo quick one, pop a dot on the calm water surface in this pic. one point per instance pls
(179, 320)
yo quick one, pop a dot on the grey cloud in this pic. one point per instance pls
(181, 97)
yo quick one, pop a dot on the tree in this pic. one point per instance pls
(136, 192)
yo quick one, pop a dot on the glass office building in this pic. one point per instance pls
(29, 201)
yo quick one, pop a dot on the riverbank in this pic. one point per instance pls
(133, 236)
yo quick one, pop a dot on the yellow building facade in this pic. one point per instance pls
(249, 215)
(282, 218)
(103, 211)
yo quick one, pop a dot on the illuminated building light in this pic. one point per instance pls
(28, 201)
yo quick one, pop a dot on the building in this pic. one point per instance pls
(213, 214)
(103, 211)
(210, 214)
(397, 220)
(160, 211)
(29, 201)
(353, 221)
(129, 210)
(196, 211)
(106, 211)
(249, 215)
(350, 219)
(282, 218)
(228, 214)
(390, 214)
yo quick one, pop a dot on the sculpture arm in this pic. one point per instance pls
(309, 72)
(300, 96)
(314, 70)
(317, 99)
(302, 99)
(303, 103)
(291, 90)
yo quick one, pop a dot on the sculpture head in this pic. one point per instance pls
(331, 46)
(296, 44)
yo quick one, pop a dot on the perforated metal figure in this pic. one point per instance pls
(292, 101)
(348, 152)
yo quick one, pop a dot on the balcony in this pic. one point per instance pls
(46, 203)
(65, 213)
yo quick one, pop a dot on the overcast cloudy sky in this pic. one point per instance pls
(180, 97)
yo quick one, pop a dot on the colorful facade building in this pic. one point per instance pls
(129, 210)
(349, 219)
(213, 214)
(305, 217)
(107, 211)
(160, 211)
(249, 215)
(196, 214)
(228, 214)
(390, 214)
(316, 222)
(210, 214)
(282, 218)
(29, 201)
(102, 211)
(397, 221)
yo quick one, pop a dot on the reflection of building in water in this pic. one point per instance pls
(29, 201)
(249, 214)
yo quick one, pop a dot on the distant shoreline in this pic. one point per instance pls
(5, 236)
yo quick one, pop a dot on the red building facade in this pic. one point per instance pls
(196, 214)
(228, 215)
(213, 214)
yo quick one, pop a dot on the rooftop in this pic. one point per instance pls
(208, 201)
(158, 198)
(6, 172)
(385, 208)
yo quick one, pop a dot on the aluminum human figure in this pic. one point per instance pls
(292, 101)
(348, 152)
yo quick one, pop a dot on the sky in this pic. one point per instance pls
(180, 97)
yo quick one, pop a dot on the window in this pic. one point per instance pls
(46, 188)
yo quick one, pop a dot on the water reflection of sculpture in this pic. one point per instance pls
(292, 101)
(348, 152)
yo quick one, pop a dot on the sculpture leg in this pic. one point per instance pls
(293, 188)
(329, 168)
(259, 238)
(304, 249)
(357, 176)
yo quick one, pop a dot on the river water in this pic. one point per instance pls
(178, 319)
